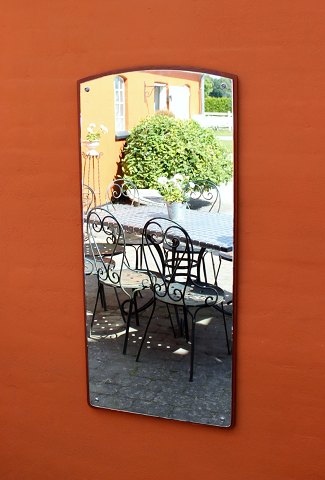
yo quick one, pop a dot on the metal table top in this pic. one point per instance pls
(213, 231)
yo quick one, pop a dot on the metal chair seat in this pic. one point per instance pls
(128, 279)
(187, 294)
(92, 265)
(104, 249)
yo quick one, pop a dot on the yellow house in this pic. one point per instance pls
(119, 102)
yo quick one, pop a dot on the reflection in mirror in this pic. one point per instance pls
(157, 155)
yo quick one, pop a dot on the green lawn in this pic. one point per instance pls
(228, 144)
(224, 132)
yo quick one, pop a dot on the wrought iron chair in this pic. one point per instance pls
(204, 195)
(171, 279)
(227, 257)
(124, 191)
(103, 227)
(89, 201)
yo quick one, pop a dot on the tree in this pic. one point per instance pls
(208, 85)
(217, 86)
(222, 87)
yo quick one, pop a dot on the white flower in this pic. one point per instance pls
(90, 130)
(92, 125)
(191, 184)
(162, 180)
(178, 177)
(104, 129)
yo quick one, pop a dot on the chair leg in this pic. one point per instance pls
(204, 269)
(136, 258)
(200, 261)
(120, 305)
(136, 309)
(178, 320)
(192, 350)
(146, 330)
(225, 327)
(128, 327)
(141, 256)
(102, 297)
(186, 324)
(171, 320)
(217, 274)
(94, 311)
(101, 290)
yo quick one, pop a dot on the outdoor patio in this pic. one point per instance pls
(158, 384)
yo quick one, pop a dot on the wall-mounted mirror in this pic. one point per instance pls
(157, 166)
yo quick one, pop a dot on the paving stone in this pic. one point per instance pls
(158, 384)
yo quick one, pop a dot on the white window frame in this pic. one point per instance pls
(162, 96)
(119, 99)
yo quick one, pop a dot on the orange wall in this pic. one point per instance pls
(97, 106)
(277, 50)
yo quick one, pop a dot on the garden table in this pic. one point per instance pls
(207, 230)
(210, 231)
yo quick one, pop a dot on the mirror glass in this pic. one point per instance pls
(157, 167)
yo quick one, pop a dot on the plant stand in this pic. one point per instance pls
(91, 173)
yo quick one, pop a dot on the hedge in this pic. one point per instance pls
(218, 104)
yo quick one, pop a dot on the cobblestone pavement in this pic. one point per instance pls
(158, 384)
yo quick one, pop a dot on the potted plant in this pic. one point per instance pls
(93, 138)
(175, 192)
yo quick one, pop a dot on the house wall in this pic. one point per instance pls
(97, 106)
(48, 431)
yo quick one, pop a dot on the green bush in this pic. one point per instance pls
(218, 104)
(161, 145)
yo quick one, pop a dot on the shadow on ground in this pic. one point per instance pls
(158, 384)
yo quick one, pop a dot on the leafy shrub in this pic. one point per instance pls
(161, 145)
(218, 104)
